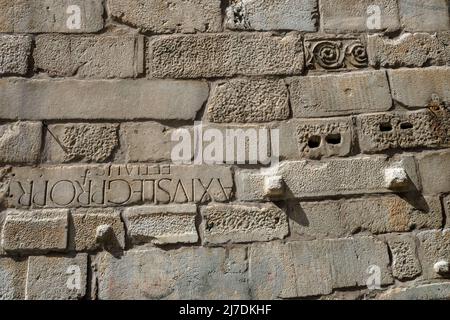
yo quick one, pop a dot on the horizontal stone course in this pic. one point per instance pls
(426, 291)
(15, 53)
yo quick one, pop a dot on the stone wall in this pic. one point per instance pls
(92, 205)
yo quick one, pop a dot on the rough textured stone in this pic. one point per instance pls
(176, 16)
(242, 100)
(12, 278)
(89, 57)
(189, 273)
(272, 15)
(332, 95)
(242, 223)
(309, 179)
(161, 224)
(35, 230)
(446, 202)
(85, 224)
(36, 16)
(430, 291)
(56, 278)
(342, 218)
(405, 264)
(434, 168)
(419, 15)
(73, 186)
(101, 99)
(408, 50)
(225, 55)
(383, 131)
(14, 54)
(20, 142)
(416, 87)
(310, 268)
(434, 246)
(82, 142)
(339, 16)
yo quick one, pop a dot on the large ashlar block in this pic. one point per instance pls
(13, 273)
(416, 87)
(161, 224)
(310, 179)
(157, 16)
(225, 55)
(223, 223)
(342, 94)
(101, 99)
(300, 15)
(343, 218)
(403, 130)
(57, 278)
(434, 168)
(310, 268)
(434, 247)
(101, 57)
(115, 185)
(20, 142)
(188, 273)
(341, 16)
(14, 54)
(428, 16)
(40, 16)
(35, 230)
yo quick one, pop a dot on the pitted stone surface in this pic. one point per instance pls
(12, 278)
(434, 246)
(430, 291)
(14, 54)
(405, 263)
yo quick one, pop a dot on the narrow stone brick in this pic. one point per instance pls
(416, 87)
(161, 224)
(341, 16)
(35, 230)
(38, 16)
(101, 57)
(12, 278)
(428, 16)
(405, 263)
(434, 246)
(310, 268)
(15, 52)
(177, 16)
(434, 168)
(243, 223)
(56, 278)
(242, 100)
(343, 94)
(430, 291)
(300, 15)
(101, 99)
(174, 274)
(408, 50)
(225, 55)
(446, 202)
(20, 142)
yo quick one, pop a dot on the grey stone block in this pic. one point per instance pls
(434, 168)
(13, 273)
(15, 52)
(434, 246)
(428, 16)
(20, 142)
(429, 291)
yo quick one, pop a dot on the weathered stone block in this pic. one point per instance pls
(309, 179)
(272, 15)
(20, 142)
(118, 185)
(35, 230)
(405, 264)
(383, 131)
(225, 55)
(14, 54)
(309, 268)
(87, 229)
(434, 168)
(12, 278)
(242, 100)
(430, 291)
(36, 16)
(428, 16)
(342, 218)
(446, 202)
(434, 246)
(408, 50)
(344, 94)
(161, 224)
(243, 223)
(177, 16)
(189, 273)
(56, 278)
(82, 142)
(89, 57)
(416, 87)
(340, 16)
(101, 99)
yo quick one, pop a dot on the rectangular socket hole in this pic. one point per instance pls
(406, 125)
(314, 142)
(334, 138)
(385, 127)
